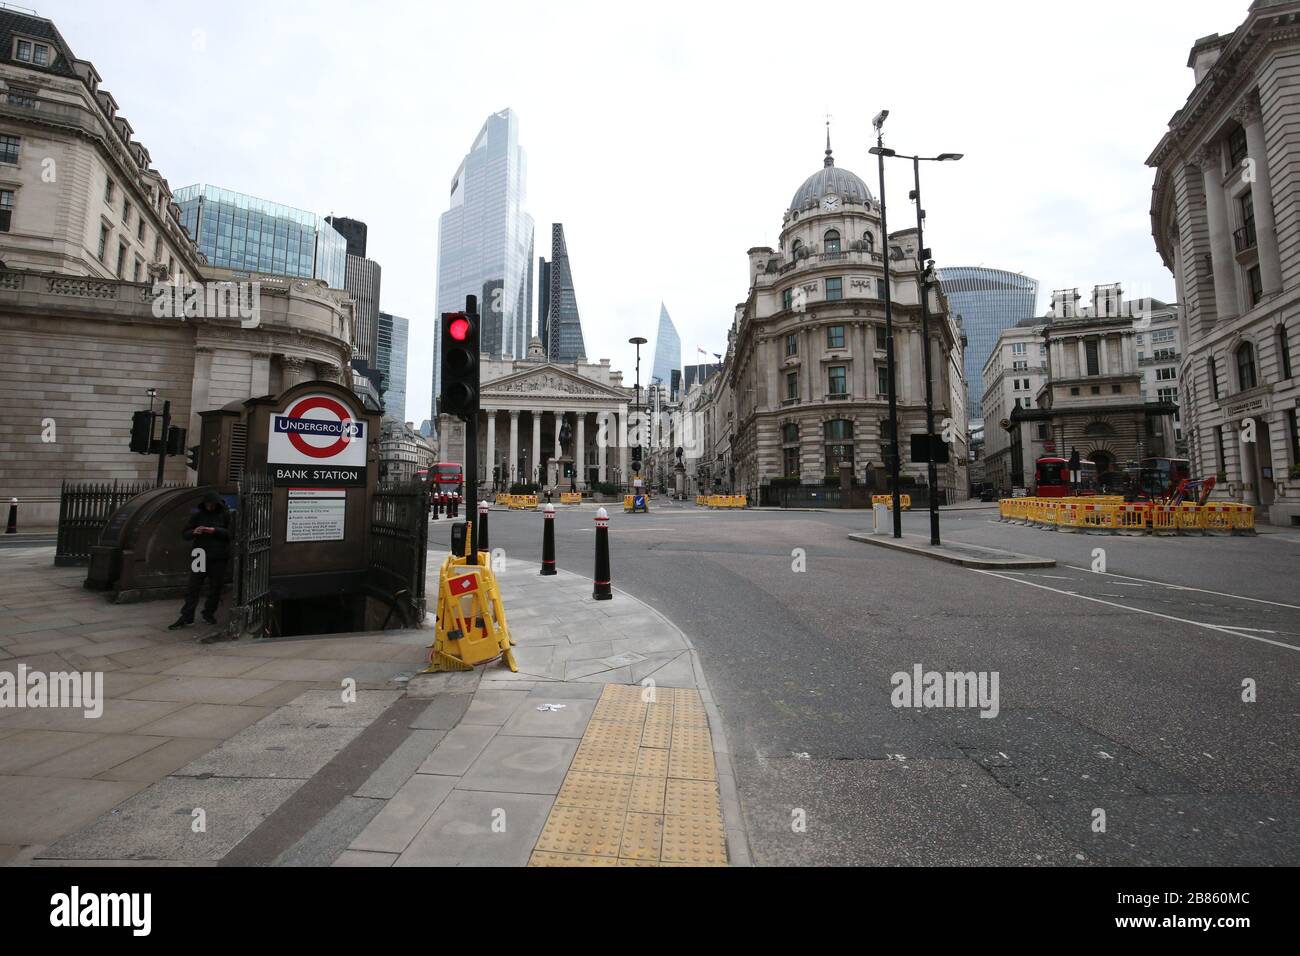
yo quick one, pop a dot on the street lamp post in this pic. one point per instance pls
(638, 341)
(924, 267)
(893, 452)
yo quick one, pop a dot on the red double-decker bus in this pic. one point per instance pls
(1052, 478)
(446, 477)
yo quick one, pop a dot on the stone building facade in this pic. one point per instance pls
(524, 406)
(1225, 214)
(91, 228)
(1013, 376)
(1091, 398)
(806, 355)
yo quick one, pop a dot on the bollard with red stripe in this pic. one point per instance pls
(483, 527)
(12, 526)
(548, 540)
(602, 591)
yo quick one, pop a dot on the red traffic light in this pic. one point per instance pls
(459, 328)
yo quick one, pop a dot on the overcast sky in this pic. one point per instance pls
(668, 138)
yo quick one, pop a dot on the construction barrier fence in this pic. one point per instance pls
(1115, 515)
(904, 501)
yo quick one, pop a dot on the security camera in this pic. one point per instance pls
(879, 121)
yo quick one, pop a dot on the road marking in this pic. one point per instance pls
(1181, 587)
(1222, 629)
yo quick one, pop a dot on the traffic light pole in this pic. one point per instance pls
(471, 450)
(162, 441)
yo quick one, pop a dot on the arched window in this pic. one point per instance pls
(832, 241)
(838, 436)
(796, 250)
(870, 241)
(1246, 366)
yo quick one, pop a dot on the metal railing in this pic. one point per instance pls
(85, 509)
(1244, 238)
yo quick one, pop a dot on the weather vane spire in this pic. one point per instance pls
(830, 160)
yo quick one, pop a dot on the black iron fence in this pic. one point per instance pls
(832, 496)
(399, 546)
(252, 614)
(85, 508)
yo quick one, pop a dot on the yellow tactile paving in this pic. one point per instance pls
(696, 798)
(647, 795)
(581, 830)
(642, 836)
(652, 763)
(642, 789)
(689, 841)
(595, 791)
(545, 858)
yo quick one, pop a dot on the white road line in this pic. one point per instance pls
(1182, 587)
(1222, 629)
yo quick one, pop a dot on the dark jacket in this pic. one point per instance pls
(215, 546)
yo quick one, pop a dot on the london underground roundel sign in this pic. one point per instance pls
(317, 442)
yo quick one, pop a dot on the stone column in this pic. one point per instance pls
(603, 430)
(1261, 197)
(1216, 211)
(514, 447)
(1103, 344)
(1083, 357)
(580, 451)
(535, 453)
(491, 443)
(1248, 455)
(292, 371)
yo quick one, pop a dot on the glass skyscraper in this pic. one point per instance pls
(246, 234)
(485, 242)
(390, 359)
(988, 301)
(558, 324)
(668, 351)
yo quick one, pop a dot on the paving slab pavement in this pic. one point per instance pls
(573, 761)
(966, 555)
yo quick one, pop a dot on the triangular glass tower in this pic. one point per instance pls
(558, 324)
(668, 353)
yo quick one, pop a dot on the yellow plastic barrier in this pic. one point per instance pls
(1218, 518)
(904, 501)
(570, 497)
(471, 616)
(629, 503)
(1164, 519)
(522, 502)
(1108, 513)
(1191, 518)
(1242, 518)
(1133, 517)
(503, 499)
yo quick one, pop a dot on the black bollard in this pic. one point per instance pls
(602, 590)
(433, 500)
(548, 540)
(483, 527)
(12, 526)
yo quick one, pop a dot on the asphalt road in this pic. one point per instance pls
(1121, 734)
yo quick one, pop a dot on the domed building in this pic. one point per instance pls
(806, 361)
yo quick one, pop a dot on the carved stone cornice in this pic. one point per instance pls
(1248, 110)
